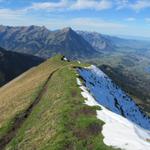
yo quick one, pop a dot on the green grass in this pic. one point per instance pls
(17, 95)
(61, 120)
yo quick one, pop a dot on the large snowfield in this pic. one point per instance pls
(126, 126)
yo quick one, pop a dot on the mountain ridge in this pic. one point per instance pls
(49, 125)
(111, 43)
(40, 41)
(49, 109)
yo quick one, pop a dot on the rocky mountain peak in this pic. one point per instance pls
(67, 29)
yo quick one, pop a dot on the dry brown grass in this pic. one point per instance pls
(18, 95)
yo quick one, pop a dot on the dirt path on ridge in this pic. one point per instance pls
(21, 118)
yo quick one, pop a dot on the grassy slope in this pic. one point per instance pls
(17, 95)
(60, 120)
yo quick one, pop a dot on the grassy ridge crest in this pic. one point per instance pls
(60, 120)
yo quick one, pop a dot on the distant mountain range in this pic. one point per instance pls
(13, 64)
(102, 42)
(99, 42)
(40, 41)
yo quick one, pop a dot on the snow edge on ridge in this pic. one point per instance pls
(126, 134)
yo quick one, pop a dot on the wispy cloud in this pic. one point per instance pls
(50, 5)
(140, 4)
(92, 4)
(120, 4)
(130, 19)
(98, 5)
(96, 23)
(73, 5)
(8, 13)
(136, 5)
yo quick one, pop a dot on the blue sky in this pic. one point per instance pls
(115, 17)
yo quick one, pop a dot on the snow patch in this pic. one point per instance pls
(118, 131)
(89, 100)
(65, 59)
(109, 95)
(122, 133)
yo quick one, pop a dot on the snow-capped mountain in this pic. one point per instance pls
(112, 97)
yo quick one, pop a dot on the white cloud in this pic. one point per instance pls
(137, 5)
(96, 23)
(8, 13)
(140, 4)
(92, 4)
(73, 5)
(121, 4)
(63, 5)
(130, 19)
(50, 5)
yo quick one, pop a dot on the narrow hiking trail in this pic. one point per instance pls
(21, 118)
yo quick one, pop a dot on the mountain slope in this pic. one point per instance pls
(13, 64)
(98, 41)
(23, 39)
(128, 43)
(41, 42)
(126, 125)
(109, 95)
(132, 84)
(68, 43)
(48, 111)
(106, 43)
